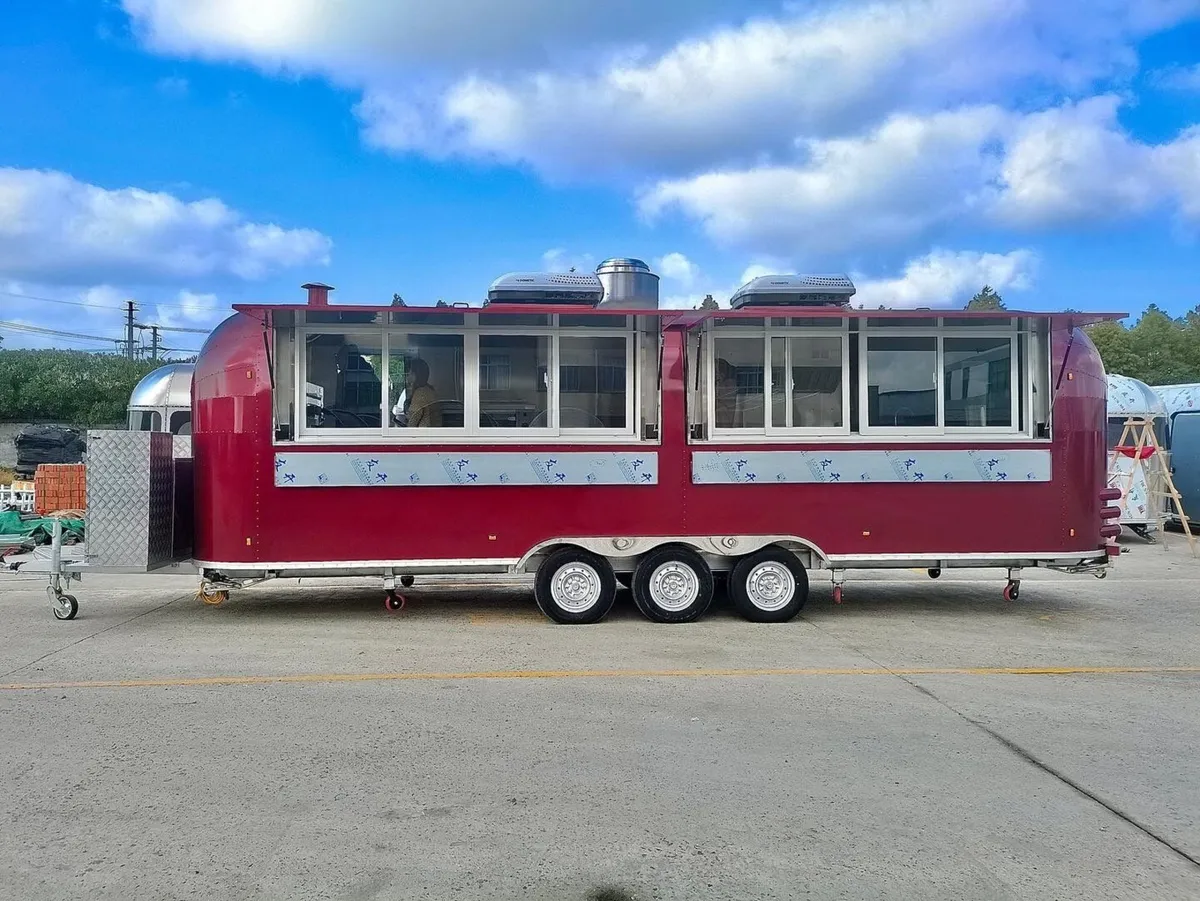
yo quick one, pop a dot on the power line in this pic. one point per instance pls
(175, 328)
(82, 303)
(38, 330)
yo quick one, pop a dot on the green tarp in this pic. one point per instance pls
(40, 528)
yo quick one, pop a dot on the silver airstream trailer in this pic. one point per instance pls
(162, 402)
(1141, 500)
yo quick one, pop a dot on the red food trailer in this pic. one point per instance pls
(572, 429)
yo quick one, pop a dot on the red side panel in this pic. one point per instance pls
(241, 516)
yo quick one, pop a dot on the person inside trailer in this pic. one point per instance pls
(726, 395)
(418, 407)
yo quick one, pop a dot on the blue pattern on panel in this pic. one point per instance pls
(334, 469)
(888, 466)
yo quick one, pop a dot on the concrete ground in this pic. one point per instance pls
(299, 742)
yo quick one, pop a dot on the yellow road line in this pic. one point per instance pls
(604, 674)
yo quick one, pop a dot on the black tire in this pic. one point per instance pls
(66, 608)
(935, 573)
(625, 579)
(700, 579)
(559, 608)
(744, 595)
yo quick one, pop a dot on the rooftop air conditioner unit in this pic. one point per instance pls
(794, 291)
(582, 289)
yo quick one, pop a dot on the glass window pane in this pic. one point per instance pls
(592, 383)
(181, 422)
(344, 380)
(739, 374)
(779, 386)
(902, 381)
(512, 381)
(977, 379)
(425, 380)
(817, 382)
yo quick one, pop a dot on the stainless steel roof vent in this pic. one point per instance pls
(628, 284)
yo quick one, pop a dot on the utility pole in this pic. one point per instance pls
(130, 306)
(154, 343)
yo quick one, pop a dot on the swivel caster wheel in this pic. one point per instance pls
(837, 594)
(1012, 590)
(65, 606)
(393, 602)
(214, 598)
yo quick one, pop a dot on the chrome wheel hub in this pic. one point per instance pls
(770, 586)
(576, 587)
(674, 586)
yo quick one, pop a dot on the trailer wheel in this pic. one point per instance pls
(575, 587)
(769, 586)
(673, 584)
(65, 607)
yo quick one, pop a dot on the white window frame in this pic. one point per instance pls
(473, 327)
(766, 333)
(939, 333)
(1021, 383)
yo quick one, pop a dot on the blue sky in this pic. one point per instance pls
(190, 154)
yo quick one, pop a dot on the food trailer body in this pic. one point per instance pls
(591, 442)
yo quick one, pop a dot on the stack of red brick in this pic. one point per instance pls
(59, 486)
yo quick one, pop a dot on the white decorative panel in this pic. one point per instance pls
(341, 468)
(738, 467)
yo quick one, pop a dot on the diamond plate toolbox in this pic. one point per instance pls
(130, 499)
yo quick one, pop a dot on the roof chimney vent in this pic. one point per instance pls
(318, 294)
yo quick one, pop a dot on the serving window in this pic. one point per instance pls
(773, 379)
(828, 377)
(487, 377)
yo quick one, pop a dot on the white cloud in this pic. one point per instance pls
(720, 290)
(1179, 165)
(1075, 163)
(57, 229)
(905, 176)
(946, 278)
(190, 310)
(1179, 78)
(975, 165)
(678, 268)
(355, 40)
(572, 88)
(558, 259)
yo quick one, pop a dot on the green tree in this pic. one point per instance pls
(67, 386)
(986, 299)
(708, 303)
(1157, 349)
